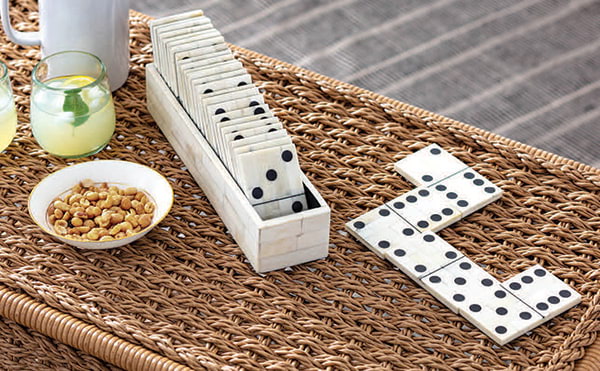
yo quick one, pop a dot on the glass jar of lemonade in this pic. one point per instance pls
(72, 112)
(8, 114)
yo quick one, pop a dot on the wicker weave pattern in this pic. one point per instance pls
(186, 293)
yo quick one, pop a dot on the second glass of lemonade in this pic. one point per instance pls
(8, 114)
(72, 111)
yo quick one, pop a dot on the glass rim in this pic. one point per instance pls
(46, 58)
(4, 73)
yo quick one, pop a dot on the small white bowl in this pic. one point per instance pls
(120, 173)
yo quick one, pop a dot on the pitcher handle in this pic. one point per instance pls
(24, 38)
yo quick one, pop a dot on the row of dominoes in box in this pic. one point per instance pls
(230, 112)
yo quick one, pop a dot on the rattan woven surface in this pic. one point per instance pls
(185, 291)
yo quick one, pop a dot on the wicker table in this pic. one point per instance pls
(184, 296)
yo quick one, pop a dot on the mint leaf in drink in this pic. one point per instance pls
(74, 103)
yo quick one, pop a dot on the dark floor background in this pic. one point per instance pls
(525, 69)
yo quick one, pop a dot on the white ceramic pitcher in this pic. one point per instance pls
(99, 27)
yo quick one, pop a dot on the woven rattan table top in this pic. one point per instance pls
(184, 296)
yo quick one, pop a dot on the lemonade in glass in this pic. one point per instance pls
(72, 111)
(8, 114)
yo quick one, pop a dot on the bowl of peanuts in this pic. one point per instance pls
(100, 204)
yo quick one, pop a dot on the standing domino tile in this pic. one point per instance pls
(429, 165)
(543, 291)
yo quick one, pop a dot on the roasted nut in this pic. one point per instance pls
(107, 238)
(125, 203)
(130, 191)
(115, 229)
(132, 219)
(66, 216)
(103, 195)
(61, 206)
(76, 222)
(139, 196)
(92, 196)
(149, 207)
(116, 218)
(120, 235)
(145, 220)
(86, 183)
(58, 213)
(83, 229)
(89, 223)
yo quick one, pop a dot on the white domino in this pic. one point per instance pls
(543, 291)
(467, 191)
(429, 165)
(425, 209)
(381, 230)
(470, 291)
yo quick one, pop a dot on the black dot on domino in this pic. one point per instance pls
(478, 182)
(541, 306)
(257, 192)
(420, 268)
(435, 217)
(465, 265)
(489, 189)
(462, 203)
(259, 110)
(564, 293)
(207, 91)
(297, 206)
(475, 307)
(238, 137)
(458, 297)
(271, 174)
(224, 119)
(399, 252)
(427, 178)
(435, 151)
(525, 315)
(447, 211)
(411, 199)
(539, 272)
(515, 285)
(500, 294)
(435, 279)
(272, 130)
(253, 103)
(553, 300)
(242, 83)
(399, 205)
(219, 111)
(450, 255)
(451, 195)
(487, 282)
(501, 329)
(184, 58)
(383, 244)
(423, 193)
(440, 187)
(422, 224)
(287, 155)
(526, 279)
(428, 238)
(359, 225)
(384, 212)
(408, 232)
(501, 311)
(460, 281)
(469, 175)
